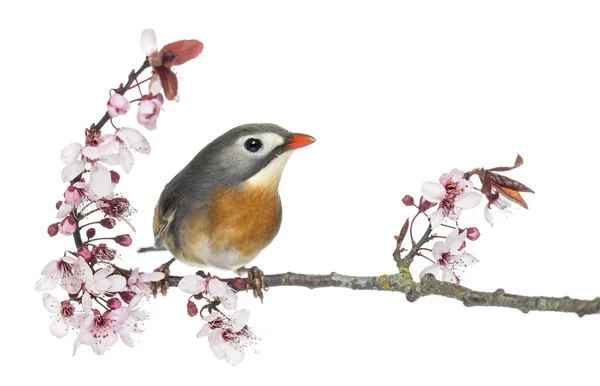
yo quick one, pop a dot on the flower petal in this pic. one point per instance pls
(216, 336)
(239, 319)
(436, 218)
(218, 350)
(217, 287)
(204, 331)
(433, 269)
(148, 41)
(433, 191)
(46, 283)
(126, 159)
(438, 249)
(135, 139)
(116, 283)
(151, 276)
(59, 327)
(126, 338)
(51, 303)
(489, 217)
(448, 275)
(468, 200)
(233, 355)
(155, 86)
(73, 170)
(455, 240)
(229, 300)
(64, 210)
(192, 284)
(69, 154)
(86, 303)
(100, 180)
(464, 259)
(456, 175)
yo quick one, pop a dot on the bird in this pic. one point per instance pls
(223, 208)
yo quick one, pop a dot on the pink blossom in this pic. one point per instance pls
(67, 226)
(99, 331)
(126, 138)
(448, 259)
(453, 193)
(141, 281)
(55, 271)
(149, 110)
(117, 105)
(102, 252)
(96, 283)
(64, 311)
(228, 336)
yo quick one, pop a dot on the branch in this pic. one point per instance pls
(428, 285)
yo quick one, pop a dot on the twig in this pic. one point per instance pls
(121, 90)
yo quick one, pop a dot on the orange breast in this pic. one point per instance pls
(244, 219)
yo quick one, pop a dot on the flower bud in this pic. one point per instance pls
(124, 240)
(114, 303)
(473, 233)
(239, 283)
(84, 253)
(72, 196)
(115, 177)
(117, 105)
(67, 226)
(108, 223)
(192, 309)
(127, 296)
(53, 229)
(91, 232)
(408, 200)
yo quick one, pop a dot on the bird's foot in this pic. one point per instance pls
(255, 281)
(163, 284)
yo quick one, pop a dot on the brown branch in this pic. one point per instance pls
(429, 286)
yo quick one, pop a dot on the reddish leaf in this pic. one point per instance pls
(486, 183)
(518, 162)
(513, 195)
(168, 79)
(402, 235)
(183, 50)
(501, 181)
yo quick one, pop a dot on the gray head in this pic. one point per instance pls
(256, 153)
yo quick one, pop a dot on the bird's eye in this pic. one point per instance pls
(253, 145)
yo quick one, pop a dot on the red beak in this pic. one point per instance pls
(296, 141)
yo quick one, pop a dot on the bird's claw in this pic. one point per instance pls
(255, 281)
(163, 284)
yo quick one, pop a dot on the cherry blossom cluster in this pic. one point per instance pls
(442, 203)
(227, 336)
(100, 301)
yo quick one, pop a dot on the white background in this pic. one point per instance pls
(396, 93)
